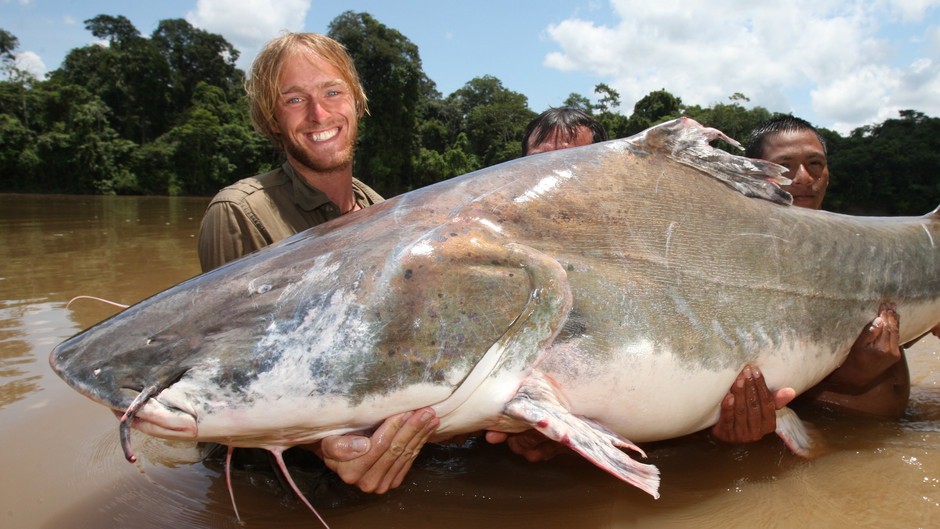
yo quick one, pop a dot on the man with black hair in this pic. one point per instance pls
(561, 128)
(874, 379)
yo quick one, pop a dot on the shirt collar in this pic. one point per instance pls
(307, 197)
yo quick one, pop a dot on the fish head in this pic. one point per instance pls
(303, 336)
(203, 327)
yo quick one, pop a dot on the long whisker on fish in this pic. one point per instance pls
(228, 479)
(128, 419)
(278, 455)
(109, 302)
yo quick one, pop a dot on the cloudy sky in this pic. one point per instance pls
(839, 63)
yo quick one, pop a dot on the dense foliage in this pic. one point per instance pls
(166, 115)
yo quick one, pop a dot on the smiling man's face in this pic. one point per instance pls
(315, 115)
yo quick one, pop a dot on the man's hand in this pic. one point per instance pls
(875, 350)
(530, 444)
(380, 463)
(748, 412)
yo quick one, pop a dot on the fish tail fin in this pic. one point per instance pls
(536, 404)
(279, 457)
(799, 437)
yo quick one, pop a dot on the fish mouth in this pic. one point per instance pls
(148, 414)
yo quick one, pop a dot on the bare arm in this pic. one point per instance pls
(874, 379)
(875, 350)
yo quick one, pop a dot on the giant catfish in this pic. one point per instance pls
(597, 294)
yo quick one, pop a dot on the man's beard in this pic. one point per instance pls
(308, 160)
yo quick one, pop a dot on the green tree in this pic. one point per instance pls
(77, 149)
(434, 166)
(18, 158)
(608, 99)
(129, 75)
(888, 168)
(575, 100)
(15, 83)
(614, 123)
(389, 67)
(211, 147)
(8, 44)
(493, 117)
(195, 56)
(656, 107)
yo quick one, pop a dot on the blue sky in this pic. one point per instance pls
(839, 63)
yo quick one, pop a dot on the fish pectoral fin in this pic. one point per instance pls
(536, 404)
(799, 438)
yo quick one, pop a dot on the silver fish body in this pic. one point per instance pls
(597, 294)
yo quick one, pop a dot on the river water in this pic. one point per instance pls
(61, 464)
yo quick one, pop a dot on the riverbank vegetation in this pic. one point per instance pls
(166, 115)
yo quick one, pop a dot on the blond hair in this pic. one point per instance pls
(262, 86)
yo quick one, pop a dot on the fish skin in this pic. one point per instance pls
(633, 278)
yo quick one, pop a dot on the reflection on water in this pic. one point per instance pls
(63, 467)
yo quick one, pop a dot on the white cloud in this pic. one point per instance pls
(28, 61)
(854, 98)
(912, 10)
(828, 60)
(248, 24)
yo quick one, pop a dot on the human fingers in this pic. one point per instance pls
(534, 446)
(495, 438)
(762, 414)
(783, 396)
(343, 448)
(395, 445)
(395, 475)
(892, 328)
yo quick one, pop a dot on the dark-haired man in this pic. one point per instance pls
(561, 128)
(874, 378)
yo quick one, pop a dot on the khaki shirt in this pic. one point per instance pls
(255, 212)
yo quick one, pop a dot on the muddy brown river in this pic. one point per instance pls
(61, 465)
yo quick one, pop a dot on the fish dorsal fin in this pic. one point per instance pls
(688, 142)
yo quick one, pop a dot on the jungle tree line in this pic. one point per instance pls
(166, 115)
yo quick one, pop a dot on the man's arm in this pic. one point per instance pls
(874, 379)
(875, 350)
